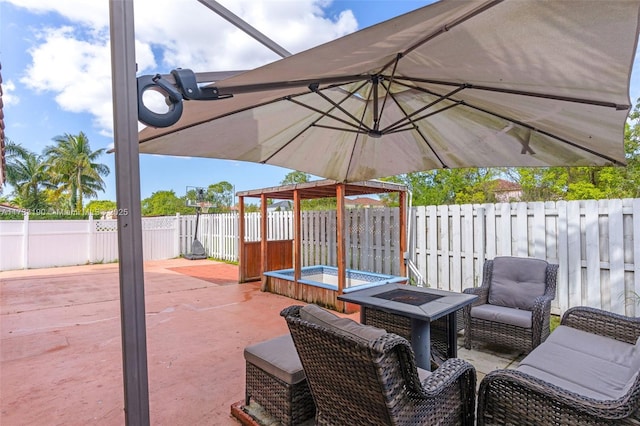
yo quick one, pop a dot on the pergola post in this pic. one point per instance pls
(242, 255)
(264, 252)
(342, 264)
(402, 201)
(297, 237)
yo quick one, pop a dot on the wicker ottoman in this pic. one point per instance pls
(276, 381)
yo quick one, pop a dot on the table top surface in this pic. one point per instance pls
(405, 300)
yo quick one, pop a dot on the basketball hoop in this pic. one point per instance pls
(203, 206)
(197, 197)
(200, 206)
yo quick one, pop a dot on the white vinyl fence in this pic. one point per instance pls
(596, 243)
(26, 244)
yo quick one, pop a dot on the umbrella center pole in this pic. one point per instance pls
(375, 81)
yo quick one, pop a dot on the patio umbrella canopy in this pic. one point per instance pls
(453, 84)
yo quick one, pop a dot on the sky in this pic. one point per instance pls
(55, 58)
(56, 69)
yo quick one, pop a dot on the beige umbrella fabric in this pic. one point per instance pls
(453, 84)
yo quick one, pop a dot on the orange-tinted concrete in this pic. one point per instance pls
(61, 351)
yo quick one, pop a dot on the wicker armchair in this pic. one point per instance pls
(530, 396)
(362, 375)
(514, 303)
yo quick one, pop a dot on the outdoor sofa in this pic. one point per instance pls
(585, 373)
(362, 375)
(513, 308)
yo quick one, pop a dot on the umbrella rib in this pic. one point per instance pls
(422, 117)
(370, 132)
(391, 78)
(407, 117)
(424, 138)
(324, 126)
(314, 123)
(618, 107)
(285, 145)
(325, 114)
(276, 85)
(339, 107)
(544, 132)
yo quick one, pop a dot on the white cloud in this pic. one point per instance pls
(73, 61)
(8, 97)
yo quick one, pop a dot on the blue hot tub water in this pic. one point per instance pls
(327, 277)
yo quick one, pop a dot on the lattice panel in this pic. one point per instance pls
(106, 225)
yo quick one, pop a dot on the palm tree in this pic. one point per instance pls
(27, 173)
(73, 167)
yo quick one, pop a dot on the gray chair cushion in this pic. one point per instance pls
(502, 314)
(343, 326)
(516, 281)
(635, 357)
(278, 357)
(593, 344)
(577, 371)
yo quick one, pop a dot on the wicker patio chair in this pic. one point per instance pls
(528, 396)
(514, 303)
(362, 375)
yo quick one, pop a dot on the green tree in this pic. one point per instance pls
(631, 182)
(27, 174)
(221, 197)
(449, 186)
(577, 183)
(251, 208)
(165, 203)
(312, 204)
(74, 168)
(98, 207)
(296, 177)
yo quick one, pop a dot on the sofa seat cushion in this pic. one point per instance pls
(593, 344)
(278, 357)
(577, 371)
(343, 326)
(516, 282)
(502, 314)
(563, 383)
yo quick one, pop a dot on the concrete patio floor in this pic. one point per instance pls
(60, 347)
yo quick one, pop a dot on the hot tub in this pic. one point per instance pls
(327, 277)
(319, 284)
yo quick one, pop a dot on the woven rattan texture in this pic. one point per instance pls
(523, 339)
(376, 383)
(510, 397)
(290, 404)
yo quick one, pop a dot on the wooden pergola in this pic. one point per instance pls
(275, 254)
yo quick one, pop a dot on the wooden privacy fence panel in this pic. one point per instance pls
(371, 239)
(595, 243)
